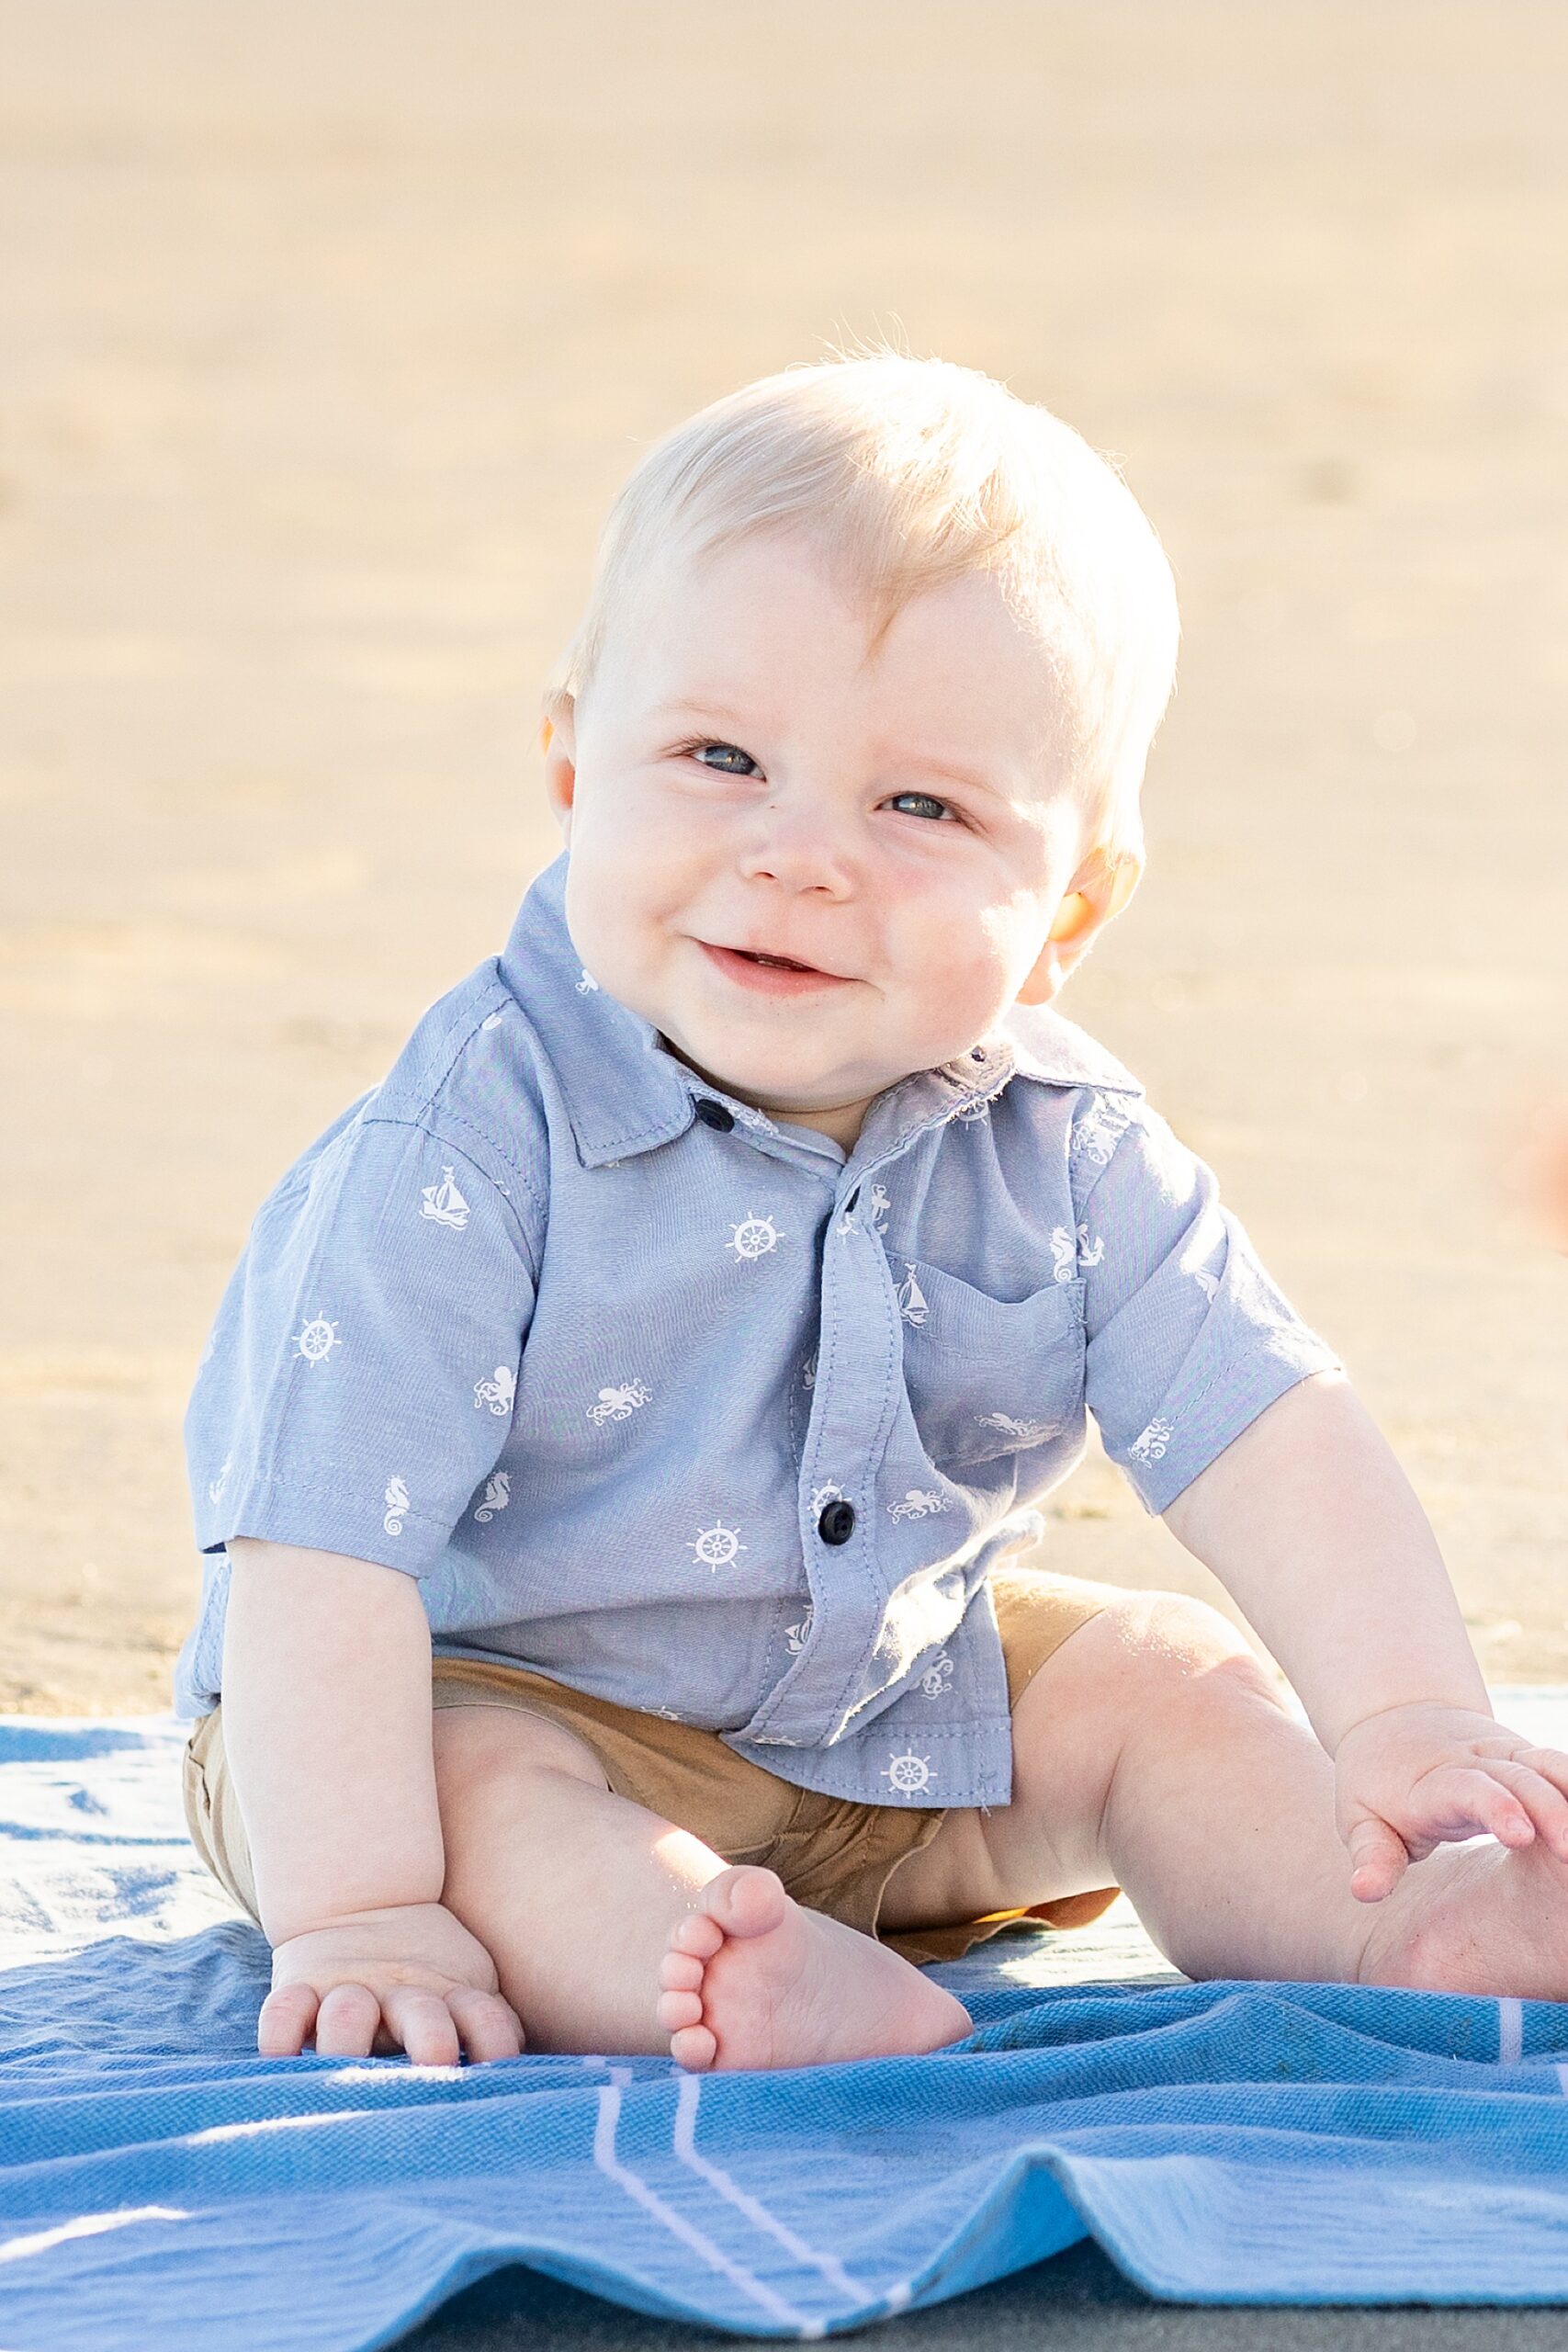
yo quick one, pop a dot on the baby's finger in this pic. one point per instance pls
(1378, 1860)
(282, 2027)
(490, 2028)
(1524, 1778)
(1464, 1800)
(347, 2022)
(421, 2024)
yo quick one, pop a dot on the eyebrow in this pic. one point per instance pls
(930, 764)
(698, 705)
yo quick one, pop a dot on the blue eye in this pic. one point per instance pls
(698, 749)
(928, 800)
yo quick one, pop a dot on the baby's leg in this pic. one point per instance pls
(1151, 1750)
(578, 1895)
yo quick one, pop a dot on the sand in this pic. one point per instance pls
(327, 335)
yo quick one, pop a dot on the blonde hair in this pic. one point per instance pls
(916, 472)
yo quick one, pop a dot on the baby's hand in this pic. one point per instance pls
(408, 1978)
(1416, 1777)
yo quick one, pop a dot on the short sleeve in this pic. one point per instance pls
(360, 1381)
(1188, 1339)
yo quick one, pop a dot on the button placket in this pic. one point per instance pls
(856, 1361)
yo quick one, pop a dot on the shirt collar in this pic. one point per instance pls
(626, 1093)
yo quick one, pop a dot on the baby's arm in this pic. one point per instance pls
(327, 1728)
(1310, 1523)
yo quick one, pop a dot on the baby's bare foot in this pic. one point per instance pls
(1481, 1918)
(753, 1979)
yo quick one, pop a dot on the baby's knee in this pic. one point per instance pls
(481, 1751)
(1173, 1647)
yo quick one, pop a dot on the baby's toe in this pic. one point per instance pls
(681, 1972)
(677, 2010)
(698, 1935)
(746, 1901)
(696, 2048)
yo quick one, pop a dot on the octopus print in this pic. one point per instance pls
(497, 1391)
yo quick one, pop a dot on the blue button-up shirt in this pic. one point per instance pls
(686, 1406)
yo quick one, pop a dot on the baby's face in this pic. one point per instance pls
(815, 874)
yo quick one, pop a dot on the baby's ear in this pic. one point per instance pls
(557, 745)
(1099, 890)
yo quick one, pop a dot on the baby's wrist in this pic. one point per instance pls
(1427, 1704)
(373, 1920)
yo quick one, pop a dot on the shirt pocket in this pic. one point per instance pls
(988, 1376)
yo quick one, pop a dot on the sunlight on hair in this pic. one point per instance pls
(915, 472)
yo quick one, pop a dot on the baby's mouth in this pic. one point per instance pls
(755, 967)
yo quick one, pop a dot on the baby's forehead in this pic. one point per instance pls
(773, 635)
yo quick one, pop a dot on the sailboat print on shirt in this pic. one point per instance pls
(911, 1297)
(444, 1203)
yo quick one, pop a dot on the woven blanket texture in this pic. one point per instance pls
(160, 2184)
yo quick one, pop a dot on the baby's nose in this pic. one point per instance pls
(799, 848)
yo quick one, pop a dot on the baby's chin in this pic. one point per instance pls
(783, 1092)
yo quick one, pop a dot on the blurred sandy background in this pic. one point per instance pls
(326, 334)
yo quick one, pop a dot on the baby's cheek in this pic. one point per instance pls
(955, 998)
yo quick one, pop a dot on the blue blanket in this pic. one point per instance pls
(161, 2185)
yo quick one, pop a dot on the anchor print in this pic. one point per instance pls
(444, 1204)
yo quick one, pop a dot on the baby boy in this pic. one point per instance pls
(613, 1446)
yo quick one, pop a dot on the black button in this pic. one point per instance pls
(714, 1114)
(977, 1054)
(837, 1523)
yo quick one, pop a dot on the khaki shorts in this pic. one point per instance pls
(834, 1854)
